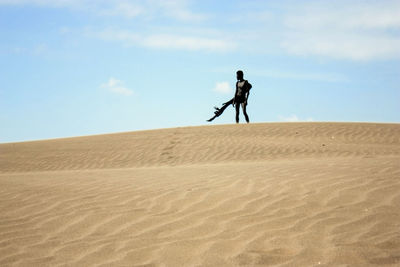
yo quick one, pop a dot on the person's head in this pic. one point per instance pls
(239, 75)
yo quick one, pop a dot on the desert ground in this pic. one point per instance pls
(281, 194)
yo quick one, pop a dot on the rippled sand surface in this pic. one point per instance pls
(282, 194)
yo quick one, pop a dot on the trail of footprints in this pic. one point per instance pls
(167, 155)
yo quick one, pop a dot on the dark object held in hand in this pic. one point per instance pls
(219, 111)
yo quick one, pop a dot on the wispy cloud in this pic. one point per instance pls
(38, 49)
(359, 47)
(346, 30)
(293, 118)
(46, 3)
(186, 42)
(223, 88)
(362, 30)
(345, 15)
(175, 9)
(178, 9)
(117, 87)
(123, 9)
(165, 41)
(350, 30)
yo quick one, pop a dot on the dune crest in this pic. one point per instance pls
(276, 194)
(203, 145)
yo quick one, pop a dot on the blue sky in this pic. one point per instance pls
(80, 67)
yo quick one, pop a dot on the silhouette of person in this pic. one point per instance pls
(241, 95)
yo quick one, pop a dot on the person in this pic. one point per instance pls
(241, 95)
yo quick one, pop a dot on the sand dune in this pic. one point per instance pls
(284, 194)
(202, 145)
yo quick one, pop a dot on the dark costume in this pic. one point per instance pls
(242, 93)
(240, 98)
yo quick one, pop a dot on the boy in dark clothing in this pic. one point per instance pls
(241, 95)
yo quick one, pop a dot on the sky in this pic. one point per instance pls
(83, 67)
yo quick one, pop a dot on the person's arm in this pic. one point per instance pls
(249, 86)
(247, 96)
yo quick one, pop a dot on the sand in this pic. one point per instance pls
(282, 194)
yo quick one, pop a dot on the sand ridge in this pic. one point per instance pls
(202, 145)
(284, 194)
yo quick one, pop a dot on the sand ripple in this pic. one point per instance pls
(189, 200)
(202, 145)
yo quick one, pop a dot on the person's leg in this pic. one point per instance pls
(237, 106)
(244, 112)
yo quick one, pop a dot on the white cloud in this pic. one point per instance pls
(124, 9)
(293, 118)
(223, 88)
(344, 30)
(178, 9)
(350, 30)
(117, 87)
(345, 15)
(175, 9)
(343, 45)
(48, 3)
(166, 41)
(193, 43)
